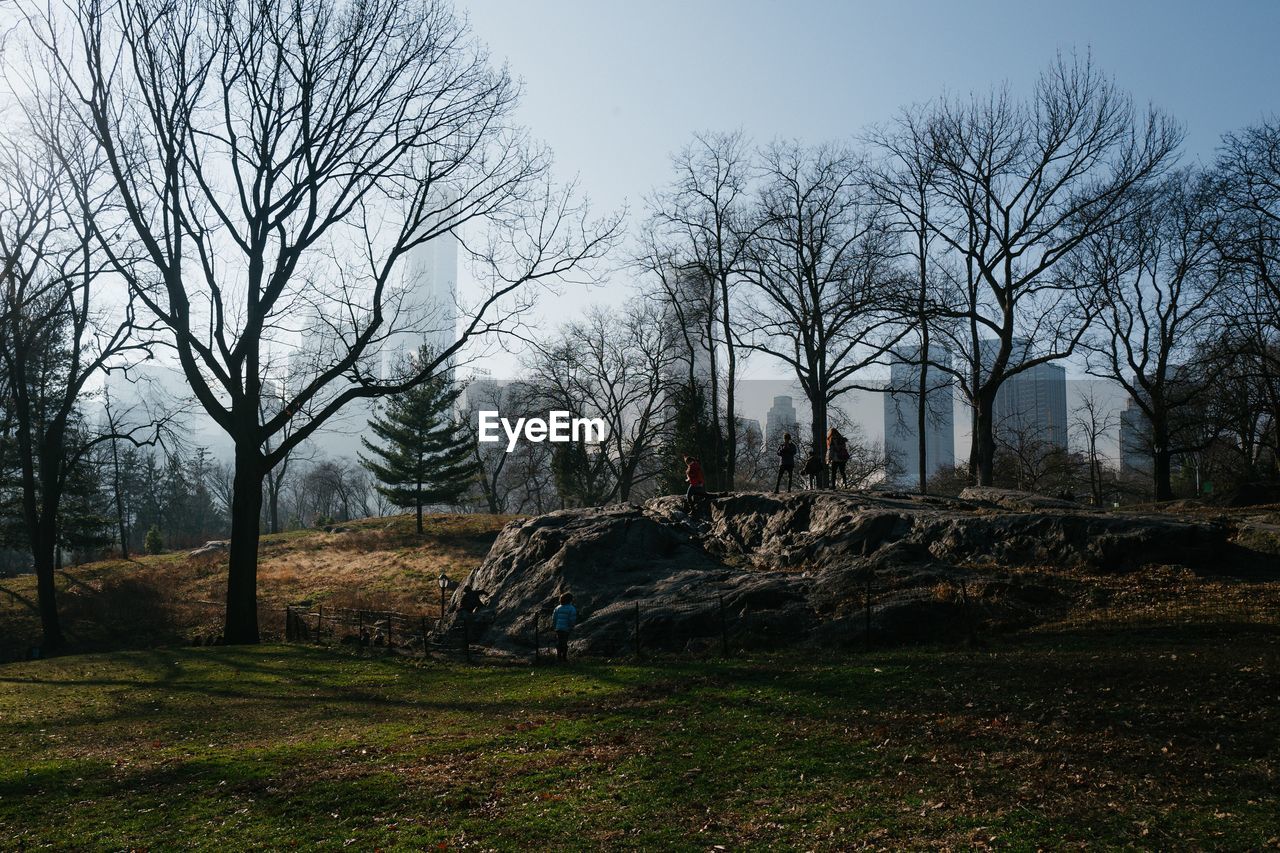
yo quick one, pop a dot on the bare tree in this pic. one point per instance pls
(702, 219)
(1159, 293)
(904, 182)
(1091, 420)
(278, 162)
(1248, 240)
(1019, 188)
(615, 366)
(827, 296)
(58, 333)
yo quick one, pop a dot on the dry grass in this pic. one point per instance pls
(376, 564)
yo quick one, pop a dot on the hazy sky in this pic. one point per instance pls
(616, 87)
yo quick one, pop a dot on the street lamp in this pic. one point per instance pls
(444, 584)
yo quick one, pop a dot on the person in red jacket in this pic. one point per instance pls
(697, 482)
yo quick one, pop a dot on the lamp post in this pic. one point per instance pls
(444, 584)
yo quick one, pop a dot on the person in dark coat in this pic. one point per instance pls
(786, 461)
(838, 458)
(812, 468)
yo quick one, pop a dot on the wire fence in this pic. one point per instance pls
(358, 626)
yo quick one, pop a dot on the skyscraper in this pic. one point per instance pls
(1031, 406)
(901, 416)
(781, 418)
(429, 308)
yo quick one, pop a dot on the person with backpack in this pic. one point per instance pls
(812, 468)
(838, 457)
(697, 482)
(563, 620)
(786, 461)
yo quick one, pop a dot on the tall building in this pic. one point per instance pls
(901, 416)
(429, 309)
(781, 418)
(1031, 406)
(423, 311)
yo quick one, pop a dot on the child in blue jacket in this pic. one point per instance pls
(563, 618)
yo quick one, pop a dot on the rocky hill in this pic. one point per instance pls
(776, 569)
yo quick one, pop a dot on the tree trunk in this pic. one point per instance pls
(242, 571)
(922, 410)
(419, 508)
(819, 436)
(44, 540)
(984, 440)
(120, 513)
(730, 408)
(1161, 475)
(274, 508)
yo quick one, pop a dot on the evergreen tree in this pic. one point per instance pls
(154, 543)
(692, 434)
(85, 525)
(581, 474)
(424, 456)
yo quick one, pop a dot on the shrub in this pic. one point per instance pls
(153, 544)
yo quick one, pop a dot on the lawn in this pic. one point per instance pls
(1155, 736)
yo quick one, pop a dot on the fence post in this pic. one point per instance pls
(637, 630)
(968, 616)
(319, 621)
(424, 635)
(724, 629)
(390, 622)
(867, 611)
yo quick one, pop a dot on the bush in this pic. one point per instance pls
(153, 544)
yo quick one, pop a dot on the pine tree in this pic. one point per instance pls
(424, 456)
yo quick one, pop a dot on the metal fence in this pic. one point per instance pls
(877, 610)
(352, 626)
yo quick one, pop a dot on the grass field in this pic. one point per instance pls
(1164, 737)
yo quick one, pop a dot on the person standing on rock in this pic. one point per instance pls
(563, 620)
(812, 468)
(786, 461)
(838, 457)
(697, 482)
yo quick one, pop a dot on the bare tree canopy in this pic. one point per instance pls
(1021, 185)
(827, 296)
(1158, 283)
(278, 163)
(701, 220)
(59, 336)
(617, 367)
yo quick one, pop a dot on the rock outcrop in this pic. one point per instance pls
(766, 569)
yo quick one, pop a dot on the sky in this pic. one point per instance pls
(615, 88)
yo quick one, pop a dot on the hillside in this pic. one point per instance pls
(378, 563)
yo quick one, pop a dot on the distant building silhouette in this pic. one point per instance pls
(901, 416)
(781, 418)
(1031, 405)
